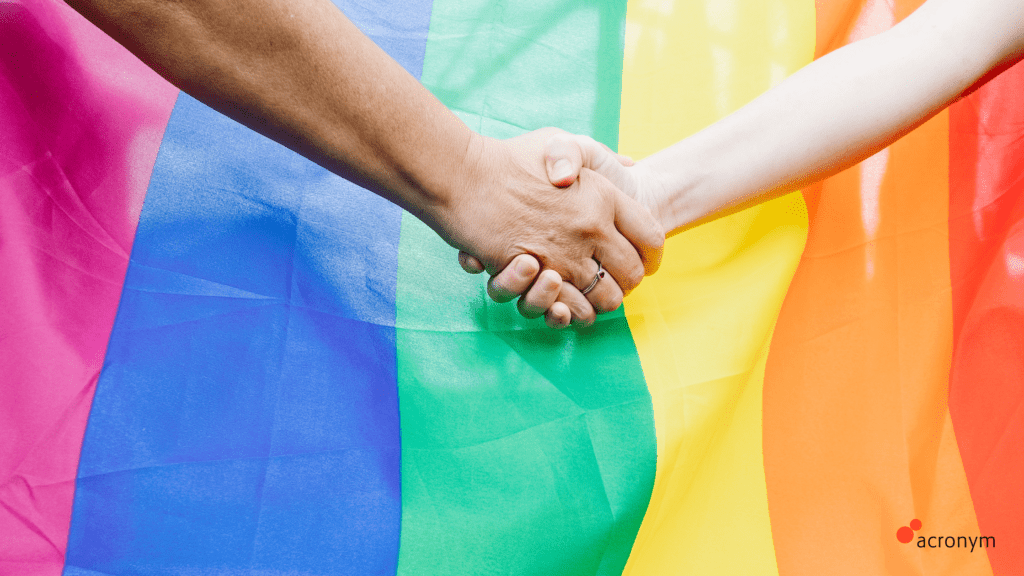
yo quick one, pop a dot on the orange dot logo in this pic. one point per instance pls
(906, 533)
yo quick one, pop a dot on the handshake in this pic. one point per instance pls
(558, 220)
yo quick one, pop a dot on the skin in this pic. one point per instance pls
(561, 303)
(302, 74)
(830, 115)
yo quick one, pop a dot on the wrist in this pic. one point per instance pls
(475, 167)
(445, 190)
(455, 209)
(678, 191)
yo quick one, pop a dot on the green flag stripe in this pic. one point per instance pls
(524, 450)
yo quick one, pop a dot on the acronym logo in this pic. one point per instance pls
(906, 533)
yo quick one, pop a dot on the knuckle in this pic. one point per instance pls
(656, 239)
(589, 223)
(537, 297)
(558, 315)
(581, 277)
(634, 276)
(497, 292)
(556, 140)
(580, 311)
(608, 302)
(615, 301)
(546, 279)
(525, 266)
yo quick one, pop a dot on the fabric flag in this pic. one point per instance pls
(217, 358)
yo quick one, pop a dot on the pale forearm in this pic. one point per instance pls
(303, 74)
(835, 112)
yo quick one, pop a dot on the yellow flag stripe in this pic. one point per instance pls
(703, 324)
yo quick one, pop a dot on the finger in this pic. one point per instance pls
(638, 226)
(541, 295)
(580, 309)
(620, 258)
(563, 159)
(514, 279)
(605, 296)
(469, 263)
(592, 155)
(558, 315)
(566, 154)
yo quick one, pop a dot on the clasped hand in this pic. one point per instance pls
(558, 205)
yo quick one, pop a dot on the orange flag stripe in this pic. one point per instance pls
(857, 435)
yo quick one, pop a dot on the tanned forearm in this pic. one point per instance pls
(301, 73)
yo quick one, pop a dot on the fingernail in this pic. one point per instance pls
(562, 170)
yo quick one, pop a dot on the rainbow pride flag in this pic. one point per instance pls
(217, 358)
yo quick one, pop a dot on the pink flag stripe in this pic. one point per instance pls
(78, 141)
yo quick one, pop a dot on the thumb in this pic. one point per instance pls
(563, 159)
(566, 154)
